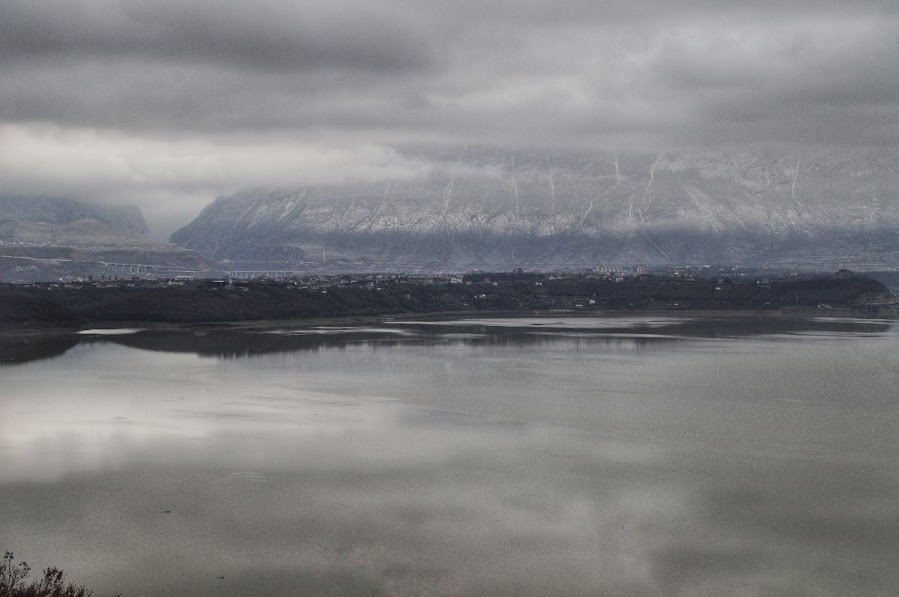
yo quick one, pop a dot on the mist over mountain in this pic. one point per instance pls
(31, 218)
(482, 208)
(46, 238)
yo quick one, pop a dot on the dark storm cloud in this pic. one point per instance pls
(507, 69)
(266, 34)
(647, 75)
(833, 84)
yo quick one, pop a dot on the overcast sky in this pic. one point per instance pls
(168, 103)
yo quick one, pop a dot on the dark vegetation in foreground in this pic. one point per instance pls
(52, 584)
(204, 301)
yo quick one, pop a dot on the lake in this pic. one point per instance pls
(529, 456)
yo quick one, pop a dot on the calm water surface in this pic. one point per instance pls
(586, 456)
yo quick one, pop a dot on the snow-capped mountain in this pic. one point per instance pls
(490, 209)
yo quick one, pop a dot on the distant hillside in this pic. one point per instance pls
(57, 212)
(890, 279)
(51, 238)
(492, 210)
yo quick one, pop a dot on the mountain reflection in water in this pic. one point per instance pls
(236, 342)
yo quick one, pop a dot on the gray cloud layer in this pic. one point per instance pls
(333, 76)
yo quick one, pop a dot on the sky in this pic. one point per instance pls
(167, 104)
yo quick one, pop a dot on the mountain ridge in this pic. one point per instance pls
(46, 238)
(60, 211)
(489, 209)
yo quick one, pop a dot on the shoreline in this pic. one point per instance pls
(412, 317)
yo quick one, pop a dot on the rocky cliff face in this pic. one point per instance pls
(485, 209)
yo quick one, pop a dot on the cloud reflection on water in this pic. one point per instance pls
(506, 465)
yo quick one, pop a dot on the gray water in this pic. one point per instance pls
(587, 456)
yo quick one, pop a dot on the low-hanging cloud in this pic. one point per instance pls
(298, 81)
(176, 176)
